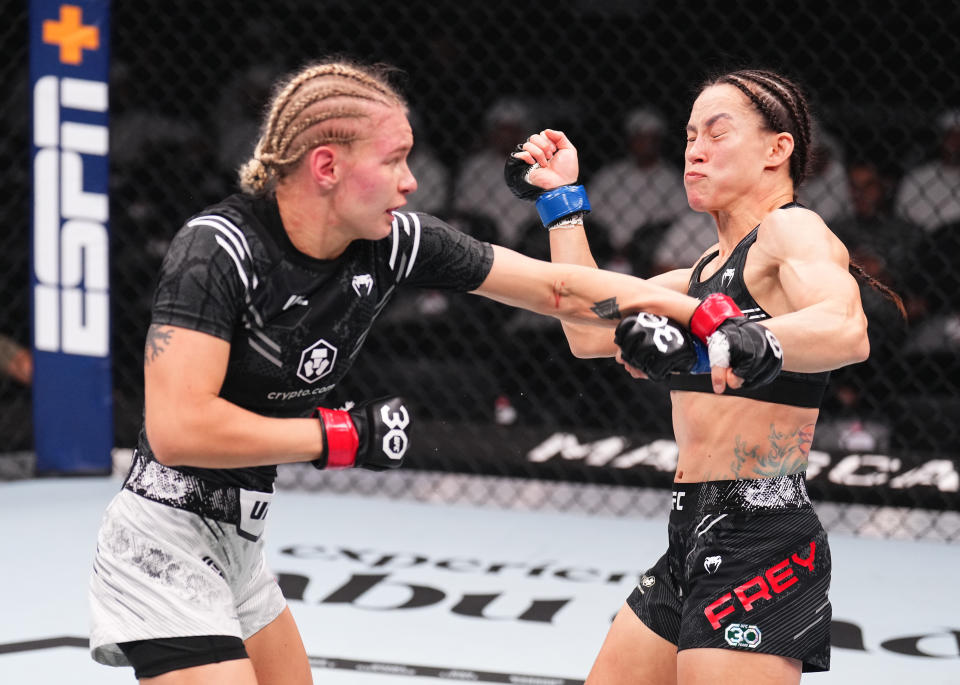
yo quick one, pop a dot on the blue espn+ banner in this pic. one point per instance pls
(72, 396)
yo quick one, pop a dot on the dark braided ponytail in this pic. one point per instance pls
(879, 286)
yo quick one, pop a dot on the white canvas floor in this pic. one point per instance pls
(504, 596)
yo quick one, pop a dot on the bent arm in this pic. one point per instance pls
(576, 293)
(188, 424)
(827, 328)
(557, 165)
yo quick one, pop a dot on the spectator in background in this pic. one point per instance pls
(883, 245)
(685, 241)
(826, 191)
(479, 187)
(929, 195)
(432, 195)
(15, 361)
(872, 230)
(634, 198)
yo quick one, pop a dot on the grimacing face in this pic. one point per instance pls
(726, 144)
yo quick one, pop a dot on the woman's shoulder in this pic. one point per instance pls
(790, 221)
(795, 230)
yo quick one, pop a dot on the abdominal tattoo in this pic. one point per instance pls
(607, 309)
(157, 341)
(785, 454)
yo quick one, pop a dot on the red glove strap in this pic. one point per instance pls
(341, 437)
(709, 314)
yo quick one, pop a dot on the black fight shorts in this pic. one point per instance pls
(747, 568)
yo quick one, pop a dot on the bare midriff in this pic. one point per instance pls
(728, 438)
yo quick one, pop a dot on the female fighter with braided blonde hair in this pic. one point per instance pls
(263, 302)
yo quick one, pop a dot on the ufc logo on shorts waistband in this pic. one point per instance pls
(773, 581)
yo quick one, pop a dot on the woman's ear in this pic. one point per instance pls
(781, 149)
(324, 166)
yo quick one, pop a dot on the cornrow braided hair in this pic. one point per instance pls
(784, 107)
(322, 104)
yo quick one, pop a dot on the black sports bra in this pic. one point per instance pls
(789, 387)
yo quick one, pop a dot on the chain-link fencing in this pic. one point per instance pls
(497, 390)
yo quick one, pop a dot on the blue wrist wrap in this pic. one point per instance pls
(560, 202)
(702, 365)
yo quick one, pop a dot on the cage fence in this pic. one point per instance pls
(498, 395)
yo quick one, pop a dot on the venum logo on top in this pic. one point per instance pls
(362, 284)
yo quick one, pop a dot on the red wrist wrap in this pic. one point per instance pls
(340, 436)
(709, 314)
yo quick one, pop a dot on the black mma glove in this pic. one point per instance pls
(372, 435)
(749, 349)
(659, 346)
(515, 173)
(566, 204)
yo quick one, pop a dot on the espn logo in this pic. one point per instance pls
(70, 256)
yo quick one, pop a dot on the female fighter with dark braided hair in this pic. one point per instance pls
(741, 594)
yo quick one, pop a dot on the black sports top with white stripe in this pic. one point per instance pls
(295, 324)
(789, 387)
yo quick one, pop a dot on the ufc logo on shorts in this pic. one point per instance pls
(395, 442)
(675, 500)
(773, 581)
(253, 513)
(259, 510)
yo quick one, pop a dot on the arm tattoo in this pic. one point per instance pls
(787, 453)
(607, 309)
(157, 340)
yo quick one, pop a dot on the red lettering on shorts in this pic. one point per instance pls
(781, 576)
(808, 562)
(777, 579)
(713, 615)
(762, 593)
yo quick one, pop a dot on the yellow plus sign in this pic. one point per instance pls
(71, 34)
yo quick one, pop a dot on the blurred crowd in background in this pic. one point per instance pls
(886, 180)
